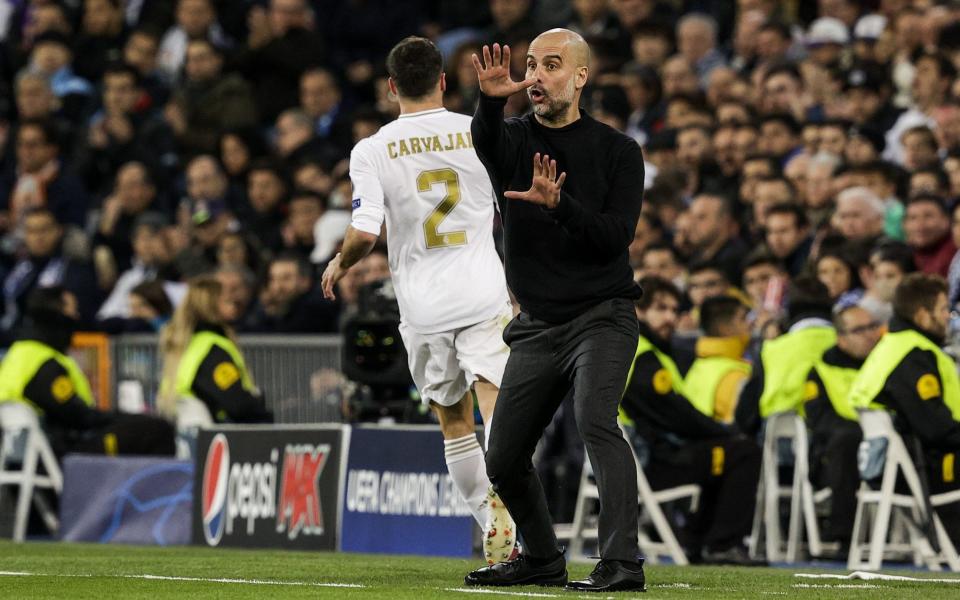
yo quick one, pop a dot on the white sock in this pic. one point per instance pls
(469, 472)
(486, 433)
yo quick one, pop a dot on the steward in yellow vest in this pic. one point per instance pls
(678, 444)
(716, 377)
(834, 432)
(212, 370)
(778, 380)
(908, 374)
(37, 371)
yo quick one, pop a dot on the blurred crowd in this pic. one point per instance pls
(146, 142)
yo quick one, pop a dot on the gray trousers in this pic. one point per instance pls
(592, 355)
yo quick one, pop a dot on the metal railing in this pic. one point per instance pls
(299, 375)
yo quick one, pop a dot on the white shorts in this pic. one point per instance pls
(445, 365)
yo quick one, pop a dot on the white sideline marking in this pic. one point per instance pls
(867, 576)
(835, 586)
(500, 592)
(198, 579)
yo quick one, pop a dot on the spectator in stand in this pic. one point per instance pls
(100, 39)
(304, 213)
(859, 215)
(118, 133)
(281, 45)
(322, 100)
(290, 303)
(152, 261)
(296, 140)
(206, 181)
(208, 102)
(266, 207)
(714, 234)
(210, 222)
(889, 263)
(140, 52)
(52, 57)
(195, 19)
(45, 264)
(133, 194)
(239, 285)
(40, 179)
(697, 42)
(788, 236)
(238, 149)
(927, 227)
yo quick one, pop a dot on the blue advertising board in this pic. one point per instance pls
(131, 500)
(399, 498)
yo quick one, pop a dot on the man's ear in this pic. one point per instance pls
(443, 82)
(581, 77)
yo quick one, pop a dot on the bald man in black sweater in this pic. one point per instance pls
(566, 239)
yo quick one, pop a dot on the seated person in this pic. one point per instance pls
(680, 445)
(835, 434)
(37, 371)
(908, 374)
(201, 360)
(716, 377)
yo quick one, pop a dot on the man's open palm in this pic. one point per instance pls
(545, 189)
(494, 73)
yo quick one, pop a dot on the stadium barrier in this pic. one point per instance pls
(305, 487)
(299, 375)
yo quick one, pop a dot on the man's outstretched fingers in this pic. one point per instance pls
(506, 55)
(487, 58)
(552, 173)
(562, 177)
(496, 54)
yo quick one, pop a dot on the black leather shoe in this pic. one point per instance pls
(520, 571)
(612, 576)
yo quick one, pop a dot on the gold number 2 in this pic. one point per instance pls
(431, 224)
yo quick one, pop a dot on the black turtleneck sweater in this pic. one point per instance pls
(561, 262)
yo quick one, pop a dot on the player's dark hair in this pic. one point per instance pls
(415, 65)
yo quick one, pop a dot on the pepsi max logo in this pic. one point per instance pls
(214, 490)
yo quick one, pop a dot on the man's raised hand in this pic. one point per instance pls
(545, 189)
(494, 73)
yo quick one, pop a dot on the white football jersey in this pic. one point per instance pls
(422, 174)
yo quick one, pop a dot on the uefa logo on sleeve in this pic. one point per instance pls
(214, 492)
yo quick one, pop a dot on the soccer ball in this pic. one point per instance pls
(500, 533)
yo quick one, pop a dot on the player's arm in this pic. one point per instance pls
(915, 391)
(52, 391)
(368, 215)
(608, 232)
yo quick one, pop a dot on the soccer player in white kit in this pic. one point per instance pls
(422, 174)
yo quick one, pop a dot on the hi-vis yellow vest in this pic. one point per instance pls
(837, 382)
(676, 381)
(890, 352)
(704, 378)
(21, 364)
(787, 361)
(200, 345)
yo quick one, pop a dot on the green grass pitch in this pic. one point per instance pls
(109, 572)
